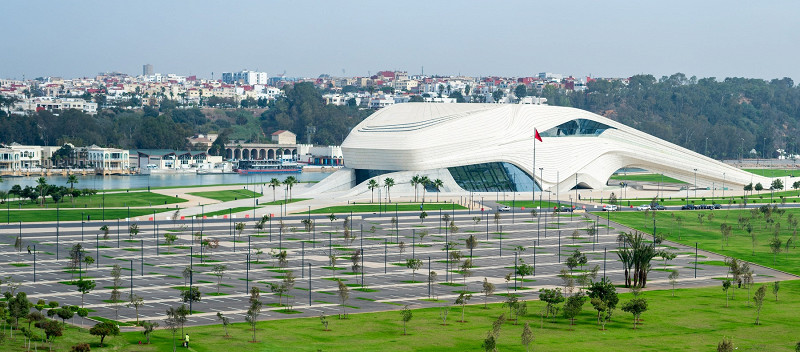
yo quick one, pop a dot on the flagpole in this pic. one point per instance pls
(533, 173)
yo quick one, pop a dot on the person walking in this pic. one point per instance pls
(186, 341)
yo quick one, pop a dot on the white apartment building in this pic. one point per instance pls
(245, 77)
(107, 159)
(9, 159)
(56, 104)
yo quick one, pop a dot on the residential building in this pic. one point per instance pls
(245, 77)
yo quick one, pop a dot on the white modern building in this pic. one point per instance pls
(245, 77)
(490, 147)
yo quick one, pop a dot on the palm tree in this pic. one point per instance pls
(72, 180)
(274, 182)
(414, 182)
(372, 185)
(438, 184)
(290, 182)
(424, 181)
(42, 182)
(388, 183)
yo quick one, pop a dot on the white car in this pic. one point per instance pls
(643, 207)
(504, 208)
(609, 207)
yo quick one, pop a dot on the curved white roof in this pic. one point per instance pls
(428, 136)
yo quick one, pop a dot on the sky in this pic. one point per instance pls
(355, 38)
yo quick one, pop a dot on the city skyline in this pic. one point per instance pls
(616, 39)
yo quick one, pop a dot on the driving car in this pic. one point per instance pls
(688, 207)
(643, 207)
(660, 207)
(504, 208)
(566, 209)
(609, 207)
(717, 206)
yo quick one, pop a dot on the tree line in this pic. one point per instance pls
(719, 118)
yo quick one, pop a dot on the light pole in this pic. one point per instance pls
(695, 183)
(723, 186)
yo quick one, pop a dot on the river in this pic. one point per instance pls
(158, 180)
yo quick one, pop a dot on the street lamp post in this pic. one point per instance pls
(695, 183)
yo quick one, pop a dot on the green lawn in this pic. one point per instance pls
(282, 201)
(373, 208)
(646, 178)
(708, 235)
(112, 200)
(774, 172)
(75, 215)
(693, 320)
(226, 211)
(228, 195)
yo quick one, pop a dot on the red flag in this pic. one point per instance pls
(536, 135)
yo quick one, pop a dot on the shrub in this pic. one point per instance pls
(81, 347)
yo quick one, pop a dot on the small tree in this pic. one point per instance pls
(252, 315)
(324, 320)
(551, 297)
(726, 345)
(636, 307)
(133, 230)
(524, 270)
(462, 299)
(673, 279)
(135, 301)
(527, 336)
(726, 285)
(149, 327)
(219, 272)
(105, 230)
(172, 323)
(407, 315)
(344, 295)
(775, 247)
(472, 243)
(191, 295)
(422, 217)
(487, 290)
(104, 329)
(775, 288)
(573, 306)
(169, 239)
(84, 287)
(225, 322)
(414, 265)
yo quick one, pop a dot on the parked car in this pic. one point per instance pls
(688, 207)
(566, 209)
(609, 207)
(660, 207)
(717, 206)
(504, 208)
(643, 207)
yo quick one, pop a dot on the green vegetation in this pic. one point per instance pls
(739, 114)
(75, 215)
(227, 195)
(693, 320)
(774, 172)
(281, 201)
(373, 208)
(111, 200)
(232, 210)
(646, 178)
(739, 244)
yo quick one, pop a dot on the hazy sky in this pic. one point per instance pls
(308, 38)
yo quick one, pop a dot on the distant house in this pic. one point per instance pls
(284, 137)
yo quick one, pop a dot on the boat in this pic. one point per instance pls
(268, 166)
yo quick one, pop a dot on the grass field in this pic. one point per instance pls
(226, 211)
(709, 237)
(693, 320)
(112, 200)
(531, 205)
(646, 178)
(774, 172)
(282, 201)
(75, 215)
(227, 195)
(373, 208)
